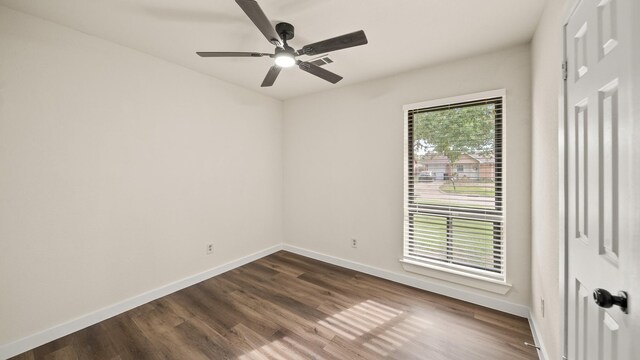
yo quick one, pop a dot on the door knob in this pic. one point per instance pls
(604, 299)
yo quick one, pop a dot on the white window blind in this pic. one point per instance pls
(454, 213)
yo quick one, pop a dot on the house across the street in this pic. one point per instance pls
(472, 167)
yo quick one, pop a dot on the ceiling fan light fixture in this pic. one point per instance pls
(285, 59)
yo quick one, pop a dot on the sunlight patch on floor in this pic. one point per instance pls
(377, 327)
(380, 328)
(357, 321)
(285, 348)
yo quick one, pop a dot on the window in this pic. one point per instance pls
(456, 222)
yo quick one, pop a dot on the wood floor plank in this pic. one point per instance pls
(268, 290)
(275, 265)
(307, 290)
(94, 343)
(299, 345)
(309, 265)
(310, 331)
(286, 306)
(129, 342)
(205, 341)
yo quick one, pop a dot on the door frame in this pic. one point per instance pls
(570, 7)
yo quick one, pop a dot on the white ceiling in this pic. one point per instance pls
(402, 34)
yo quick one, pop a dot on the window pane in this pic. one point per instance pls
(455, 156)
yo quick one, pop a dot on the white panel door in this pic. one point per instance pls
(601, 193)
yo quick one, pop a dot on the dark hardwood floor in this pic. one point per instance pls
(286, 306)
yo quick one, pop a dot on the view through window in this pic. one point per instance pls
(454, 186)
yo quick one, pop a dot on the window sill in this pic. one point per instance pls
(458, 277)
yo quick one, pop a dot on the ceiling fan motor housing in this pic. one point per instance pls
(285, 30)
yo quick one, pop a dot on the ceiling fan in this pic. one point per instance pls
(284, 55)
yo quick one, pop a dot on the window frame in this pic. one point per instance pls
(449, 270)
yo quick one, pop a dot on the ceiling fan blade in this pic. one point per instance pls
(337, 43)
(255, 13)
(271, 76)
(319, 72)
(230, 54)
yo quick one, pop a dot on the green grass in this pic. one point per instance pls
(468, 189)
(435, 238)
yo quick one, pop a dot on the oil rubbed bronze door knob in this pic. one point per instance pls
(604, 299)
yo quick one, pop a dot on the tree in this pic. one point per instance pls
(455, 131)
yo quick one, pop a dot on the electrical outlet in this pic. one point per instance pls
(542, 306)
(354, 243)
(209, 249)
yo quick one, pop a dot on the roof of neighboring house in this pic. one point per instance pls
(483, 159)
(434, 159)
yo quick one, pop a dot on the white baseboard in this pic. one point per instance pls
(58, 331)
(474, 298)
(542, 352)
